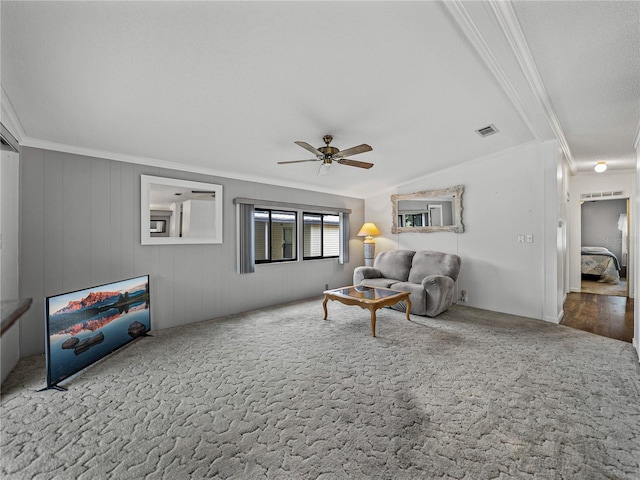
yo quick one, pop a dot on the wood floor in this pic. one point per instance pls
(609, 316)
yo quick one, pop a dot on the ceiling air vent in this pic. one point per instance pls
(486, 131)
(618, 193)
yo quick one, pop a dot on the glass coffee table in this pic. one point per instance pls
(369, 298)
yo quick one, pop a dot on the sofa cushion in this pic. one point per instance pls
(425, 263)
(394, 264)
(379, 282)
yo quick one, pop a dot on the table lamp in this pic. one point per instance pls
(368, 230)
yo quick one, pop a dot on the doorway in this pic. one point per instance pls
(605, 246)
(603, 305)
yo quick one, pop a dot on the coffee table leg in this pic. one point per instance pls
(324, 306)
(373, 321)
(408, 308)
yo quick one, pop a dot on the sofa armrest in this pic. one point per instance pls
(440, 292)
(360, 273)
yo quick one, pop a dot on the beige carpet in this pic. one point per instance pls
(280, 393)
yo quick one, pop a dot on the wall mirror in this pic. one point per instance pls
(428, 211)
(179, 211)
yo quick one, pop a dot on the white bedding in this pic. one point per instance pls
(601, 262)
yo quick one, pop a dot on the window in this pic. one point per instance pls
(269, 233)
(321, 235)
(275, 235)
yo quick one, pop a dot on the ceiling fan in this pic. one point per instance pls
(327, 155)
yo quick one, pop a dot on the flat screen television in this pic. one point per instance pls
(84, 326)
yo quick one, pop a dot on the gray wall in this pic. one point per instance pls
(80, 227)
(600, 224)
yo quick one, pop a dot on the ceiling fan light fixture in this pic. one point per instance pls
(329, 154)
(324, 168)
(600, 167)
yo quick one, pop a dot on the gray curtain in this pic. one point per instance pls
(244, 221)
(344, 238)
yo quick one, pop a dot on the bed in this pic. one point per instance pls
(600, 264)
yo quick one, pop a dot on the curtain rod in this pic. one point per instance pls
(295, 206)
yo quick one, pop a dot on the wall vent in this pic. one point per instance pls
(486, 131)
(597, 195)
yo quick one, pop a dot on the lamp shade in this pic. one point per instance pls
(368, 230)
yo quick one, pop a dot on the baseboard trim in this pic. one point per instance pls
(556, 320)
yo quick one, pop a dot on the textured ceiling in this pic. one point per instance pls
(588, 54)
(227, 87)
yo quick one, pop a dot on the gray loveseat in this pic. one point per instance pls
(428, 276)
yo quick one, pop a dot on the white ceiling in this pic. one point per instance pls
(588, 54)
(227, 87)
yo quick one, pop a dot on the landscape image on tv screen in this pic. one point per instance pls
(84, 326)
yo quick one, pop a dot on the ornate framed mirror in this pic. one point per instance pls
(428, 211)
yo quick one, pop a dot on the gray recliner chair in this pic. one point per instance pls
(428, 276)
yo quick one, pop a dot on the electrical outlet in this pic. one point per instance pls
(326, 286)
(463, 296)
(529, 238)
(520, 238)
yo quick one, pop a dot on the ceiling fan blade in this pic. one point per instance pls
(354, 163)
(353, 151)
(300, 161)
(306, 146)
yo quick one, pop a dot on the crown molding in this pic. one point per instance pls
(506, 18)
(515, 37)
(152, 162)
(12, 123)
(473, 33)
